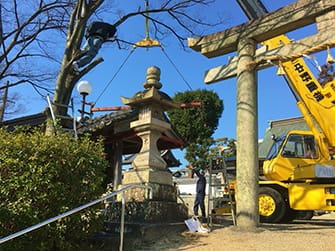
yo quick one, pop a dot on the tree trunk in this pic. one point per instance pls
(4, 101)
(117, 147)
(67, 76)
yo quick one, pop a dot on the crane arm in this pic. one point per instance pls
(316, 101)
(252, 8)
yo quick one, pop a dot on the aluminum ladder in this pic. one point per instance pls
(55, 117)
(220, 196)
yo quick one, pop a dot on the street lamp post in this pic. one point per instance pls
(84, 88)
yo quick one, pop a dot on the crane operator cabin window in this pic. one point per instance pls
(300, 146)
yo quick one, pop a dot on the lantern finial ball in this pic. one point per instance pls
(84, 87)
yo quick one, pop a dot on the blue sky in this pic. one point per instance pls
(274, 98)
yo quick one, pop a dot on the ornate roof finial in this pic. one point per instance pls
(153, 77)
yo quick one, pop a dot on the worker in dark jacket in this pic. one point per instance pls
(200, 192)
(96, 34)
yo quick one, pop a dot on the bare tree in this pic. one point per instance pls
(3, 102)
(174, 18)
(25, 29)
(8, 104)
(32, 30)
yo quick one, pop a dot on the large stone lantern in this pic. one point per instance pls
(149, 167)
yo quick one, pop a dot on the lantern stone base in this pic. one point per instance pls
(141, 218)
(160, 180)
(159, 193)
(147, 175)
(147, 212)
(140, 208)
(137, 235)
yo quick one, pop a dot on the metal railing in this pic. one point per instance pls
(75, 210)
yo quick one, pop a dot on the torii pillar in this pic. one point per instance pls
(246, 132)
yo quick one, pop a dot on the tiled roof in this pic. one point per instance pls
(106, 125)
(101, 122)
(30, 120)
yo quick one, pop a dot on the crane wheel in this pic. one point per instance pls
(271, 204)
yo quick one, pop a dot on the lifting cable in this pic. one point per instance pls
(114, 76)
(175, 67)
(146, 42)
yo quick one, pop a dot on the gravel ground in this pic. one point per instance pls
(316, 234)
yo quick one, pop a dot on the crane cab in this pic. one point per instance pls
(296, 156)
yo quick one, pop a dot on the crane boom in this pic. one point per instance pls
(299, 169)
(252, 8)
(315, 100)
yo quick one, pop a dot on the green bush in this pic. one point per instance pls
(42, 177)
(196, 125)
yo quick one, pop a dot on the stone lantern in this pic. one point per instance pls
(149, 167)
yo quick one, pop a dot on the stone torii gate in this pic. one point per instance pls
(244, 39)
